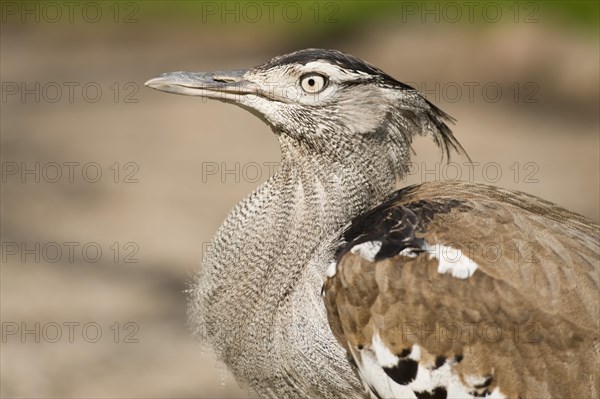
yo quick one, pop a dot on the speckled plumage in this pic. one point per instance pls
(258, 296)
(526, 322)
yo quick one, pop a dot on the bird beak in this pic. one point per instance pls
(222, 85)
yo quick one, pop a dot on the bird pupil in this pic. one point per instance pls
(311, 82)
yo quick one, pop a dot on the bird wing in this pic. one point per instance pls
(465, 290)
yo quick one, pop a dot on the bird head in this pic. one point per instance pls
(325, 101)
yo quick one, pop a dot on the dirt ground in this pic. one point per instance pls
(103, 260)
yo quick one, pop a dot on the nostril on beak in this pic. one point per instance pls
(223, 79)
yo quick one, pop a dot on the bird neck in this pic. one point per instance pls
(275, 244)
(350, 178)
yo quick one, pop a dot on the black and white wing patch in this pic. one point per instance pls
(426, 312)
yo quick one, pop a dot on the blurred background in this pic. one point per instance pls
(110, 191)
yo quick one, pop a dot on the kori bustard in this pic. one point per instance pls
(325, 283)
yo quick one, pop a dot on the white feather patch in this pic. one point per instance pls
(367, 250)
(331, 269)
(415, 353)
(422, 382)
(496, 394)
(452, 261)
(373, 375)
(385, 357)
(408, 252)
(474, 380)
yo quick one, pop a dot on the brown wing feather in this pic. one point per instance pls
(526, 322)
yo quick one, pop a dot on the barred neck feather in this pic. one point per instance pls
(273, 247)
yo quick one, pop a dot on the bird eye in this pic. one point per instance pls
(313, 83)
